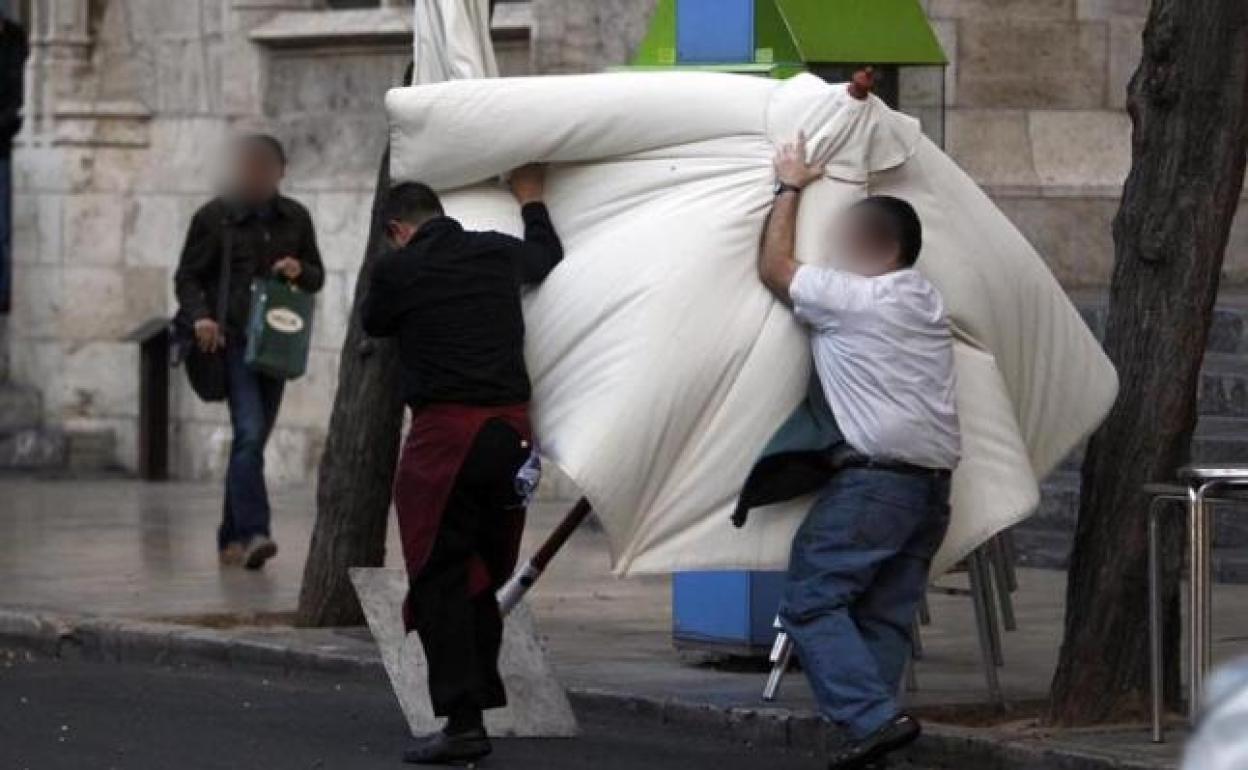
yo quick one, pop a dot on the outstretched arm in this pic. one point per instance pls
(776, 261)
(541, 249)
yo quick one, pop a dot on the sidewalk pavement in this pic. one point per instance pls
(127, 570)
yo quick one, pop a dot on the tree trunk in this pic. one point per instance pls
(357, 467)
(1189, 106)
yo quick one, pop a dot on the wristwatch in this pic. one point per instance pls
(783, 187)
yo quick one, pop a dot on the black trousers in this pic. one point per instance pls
(462, 633)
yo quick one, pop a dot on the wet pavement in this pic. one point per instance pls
(134, 550)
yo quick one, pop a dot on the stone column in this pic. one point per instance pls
(60, 35)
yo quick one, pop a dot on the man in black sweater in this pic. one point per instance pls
(452, 299)
(13, 52)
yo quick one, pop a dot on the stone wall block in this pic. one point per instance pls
(200, 450)
(94, 305)
(992, 146)
(108, 169)
(288, 457)
(242, 66)
(24, 241)
(333, 309)
(171, 18)
(38, 169)
(101, 379)
(575, 36)
(997, 9)
(187, 155)
(1030, 63)
(93, 229)
(1081, 149)
(1126, 43)
(147, 294)
(40, 363)
(334, 152)
(188, 76)
(342, 220)
(1109, 9)
(38, 298)
(319, 83)
(154, 228)
(1073, 235)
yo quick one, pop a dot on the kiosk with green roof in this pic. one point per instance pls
(830, 38)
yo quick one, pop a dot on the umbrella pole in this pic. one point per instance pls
(524, 578)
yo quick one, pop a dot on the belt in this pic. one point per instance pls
(862, 462)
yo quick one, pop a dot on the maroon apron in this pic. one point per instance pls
(438, 441)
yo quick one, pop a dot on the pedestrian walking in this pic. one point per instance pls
(251, 231)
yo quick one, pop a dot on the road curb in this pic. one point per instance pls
(133, 641)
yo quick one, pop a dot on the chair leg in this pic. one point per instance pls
(1156, 676)
(916, 640)
(911, 679)
(984, 621)
(1011, 558)
(1001, 579)
(781, 656)
(981, 574)
(925, 612)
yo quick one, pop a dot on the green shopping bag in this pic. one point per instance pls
(279, 330)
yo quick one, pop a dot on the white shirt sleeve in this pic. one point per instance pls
(819, 294)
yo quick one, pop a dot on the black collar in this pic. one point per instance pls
(437, 226)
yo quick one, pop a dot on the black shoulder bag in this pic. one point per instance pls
(206, 370)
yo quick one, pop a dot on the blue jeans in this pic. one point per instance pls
(857, 573)
(6, 233)
(253, 400)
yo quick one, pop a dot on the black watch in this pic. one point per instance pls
(783, 187)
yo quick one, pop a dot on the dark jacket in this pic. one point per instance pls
(13, 53)
(452, 297)
(800, 458)
(259, 237)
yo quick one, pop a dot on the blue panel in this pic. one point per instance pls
(726, 608)
(766, 590)
(711, 606)
(714, 31)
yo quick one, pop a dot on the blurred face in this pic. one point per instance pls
(863, 250)
(258, 172)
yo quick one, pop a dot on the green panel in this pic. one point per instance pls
(658, 49)
(852, 31)
(772, 41)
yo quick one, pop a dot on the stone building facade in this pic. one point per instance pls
(129, 99)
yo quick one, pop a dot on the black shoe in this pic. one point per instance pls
(443, 749)
(900, 731)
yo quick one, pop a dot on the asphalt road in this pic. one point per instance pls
(79, 715)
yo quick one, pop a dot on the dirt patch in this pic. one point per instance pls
(1023, 715)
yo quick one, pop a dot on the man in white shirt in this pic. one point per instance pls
(883, 352)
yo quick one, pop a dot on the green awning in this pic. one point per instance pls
(861, 31)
